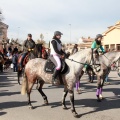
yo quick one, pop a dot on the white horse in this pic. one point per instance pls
(34, 70)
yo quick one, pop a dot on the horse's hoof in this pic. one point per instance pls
(31, 107)
(100, 97)
(79, 91)
(75, 114)
(19, 83)
(64, 107)
(46, 102)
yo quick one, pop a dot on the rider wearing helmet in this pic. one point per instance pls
(57, 53)
(96, 45)
(28, 45)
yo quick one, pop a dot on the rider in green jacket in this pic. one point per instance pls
(97, 46)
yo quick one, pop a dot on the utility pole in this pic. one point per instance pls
(70, 32)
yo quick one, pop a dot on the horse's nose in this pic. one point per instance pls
(119, 74)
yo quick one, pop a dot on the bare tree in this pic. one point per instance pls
(41, 36)
(1, 15)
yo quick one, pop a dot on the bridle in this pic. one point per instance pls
(118, 60)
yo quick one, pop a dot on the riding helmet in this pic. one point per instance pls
(57, 33)
(99, 36)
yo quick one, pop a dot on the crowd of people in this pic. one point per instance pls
(11, 55)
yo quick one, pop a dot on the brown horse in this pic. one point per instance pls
(35, 53)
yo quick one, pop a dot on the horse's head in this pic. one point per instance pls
(38, 50)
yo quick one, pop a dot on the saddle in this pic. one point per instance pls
(51, 64)
(26, 59)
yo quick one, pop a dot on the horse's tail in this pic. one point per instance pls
(24, 85)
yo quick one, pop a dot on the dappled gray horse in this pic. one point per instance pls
(106, 61)
(34, 70)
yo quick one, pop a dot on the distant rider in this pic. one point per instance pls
(28, 46)
(97, 46)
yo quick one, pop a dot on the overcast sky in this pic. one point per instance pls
(87, 17)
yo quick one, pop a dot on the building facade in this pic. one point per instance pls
(3, 35)
(111, 39)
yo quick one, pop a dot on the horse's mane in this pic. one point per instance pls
(84, 52)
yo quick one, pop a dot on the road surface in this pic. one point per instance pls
(13, 106)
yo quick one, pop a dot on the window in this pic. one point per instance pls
(118, 47)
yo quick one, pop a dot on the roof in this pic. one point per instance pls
(87, 40)
(110, 28)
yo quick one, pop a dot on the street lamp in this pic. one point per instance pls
(18, 31)
(70, 32)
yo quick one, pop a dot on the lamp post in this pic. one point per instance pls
(70, 32)
(18, 31)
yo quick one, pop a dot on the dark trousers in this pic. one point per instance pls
(15, 67)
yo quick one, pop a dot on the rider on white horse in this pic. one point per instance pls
(57, 53)
(96, 45)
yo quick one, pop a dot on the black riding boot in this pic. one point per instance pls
(54, 80)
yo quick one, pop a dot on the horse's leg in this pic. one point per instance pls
(78, 83)
(37, 87)
(71, 92)
(30, 85)
(98, 88)
(42, 93)
(65, 92)
(18, 74)
(92, 76)
(101, 88)
(89, 74)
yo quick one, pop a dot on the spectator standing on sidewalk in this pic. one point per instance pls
(14, 61)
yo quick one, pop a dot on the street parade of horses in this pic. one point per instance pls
(49, 71)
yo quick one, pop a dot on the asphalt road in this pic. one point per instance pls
(13, 106)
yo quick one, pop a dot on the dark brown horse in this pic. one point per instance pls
(35, 53)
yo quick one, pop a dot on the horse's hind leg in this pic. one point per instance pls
(18, 75)
(71, 92)
(98, 88)
(65, 92)
(30, 85)
(42, 93)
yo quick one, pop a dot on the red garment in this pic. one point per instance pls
(43, 49)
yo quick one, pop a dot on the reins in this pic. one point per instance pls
(80, 62)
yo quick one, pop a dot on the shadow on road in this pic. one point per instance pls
(8, 93)
(2, 113)
(106, 104)
(13, 104)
